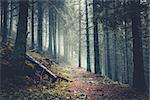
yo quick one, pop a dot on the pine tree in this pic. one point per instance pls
(5, 29)
(19, 54)
(87, 38)
(138, 73)
(96, 42)
(40, 25)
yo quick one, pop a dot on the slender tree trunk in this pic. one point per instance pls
(72, 52)
(40, 25)
(65, 45)
(96, 42)
(50, 32)
(126, 52)
(32, 26)
(79, 59)
(147, 49)
(115, 56)
(116, 70)
(126, 44)
(58, 37)
(11, 18)
(54, 35)
(2, 11)
(87, 38)
(46, 18)
(19, 54)
(5, 29)
(69, 44)
(108, 69)
(138, 73)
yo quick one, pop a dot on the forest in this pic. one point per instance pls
(74, 49)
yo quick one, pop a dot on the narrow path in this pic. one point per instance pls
(88, 86)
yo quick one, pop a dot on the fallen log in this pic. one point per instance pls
(65, 79)
(42, 68)
(32, 50)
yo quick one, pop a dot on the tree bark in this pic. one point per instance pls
(5, 29)
(87, 38)
(2, 11)
(138, 73)
(32, 26)
(50, 31)
(54, 34)
(58, 36)
(20, 43)
(96, 42)
(79, 58)
(40, 25)
(115, 56)
(108, 69)
(65, 45)
(11, 18)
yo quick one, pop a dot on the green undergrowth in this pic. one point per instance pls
(36, 55)
(58, 92)
(58, 69)
(29, 87)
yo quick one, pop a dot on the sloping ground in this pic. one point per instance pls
(85, 86)
(31, 86)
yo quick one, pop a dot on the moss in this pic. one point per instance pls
(61, 71)
(56, 93)
(37, 56)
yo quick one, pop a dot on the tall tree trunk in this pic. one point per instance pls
(40, 25)
(115, 56)
(2, 11)
(11, 18)
(115, 43)
(87, 38)
(58, 37)
(147, 50)
(46, 27)
(126, 51)
(96, 42)
(65, 45)
(32, 25)
(68, 45)
(138, 73)
(79, 59)
(54, 34)
(19, 54)
(50, 31)
(108, 69)
(126, 44)
(5, 30)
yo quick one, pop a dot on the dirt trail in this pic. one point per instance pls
(88, 86)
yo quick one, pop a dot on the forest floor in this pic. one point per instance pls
(83, 85)
(95, 87)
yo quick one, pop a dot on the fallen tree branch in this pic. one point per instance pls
(62, 78)
(42, 68)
